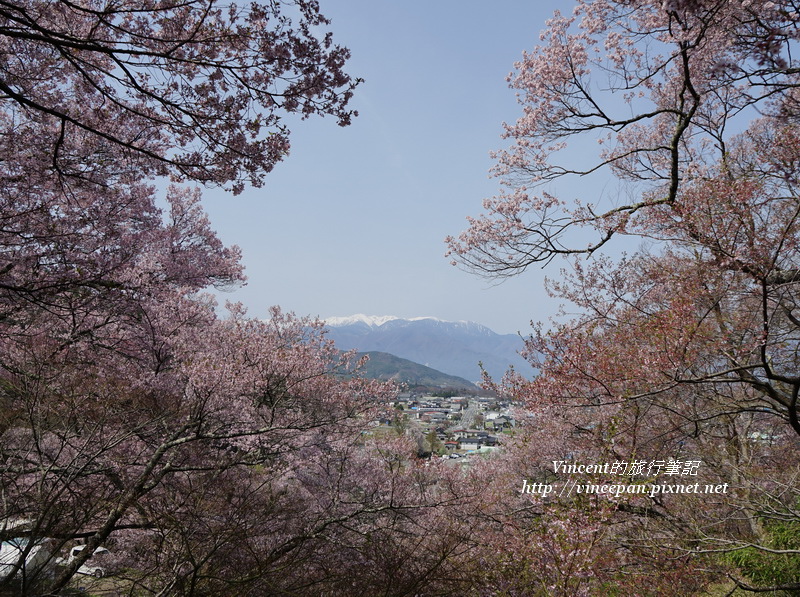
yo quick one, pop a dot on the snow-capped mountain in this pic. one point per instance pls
(378, 320)
(454, 347)
(370, 320)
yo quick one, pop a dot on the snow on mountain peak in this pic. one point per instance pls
(378, 320)
(455, 347)
(370, 320)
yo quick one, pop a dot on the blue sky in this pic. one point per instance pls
(354, 220)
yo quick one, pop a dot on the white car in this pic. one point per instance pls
(95, 566)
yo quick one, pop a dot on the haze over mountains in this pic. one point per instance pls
(453, 347)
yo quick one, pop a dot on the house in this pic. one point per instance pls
(469, 443)
(503, 422)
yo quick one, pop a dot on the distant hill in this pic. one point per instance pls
(454, 347)
(382, 365)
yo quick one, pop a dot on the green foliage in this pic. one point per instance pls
(766, 569)
(447, 393)
(435, 444)
(400, 424)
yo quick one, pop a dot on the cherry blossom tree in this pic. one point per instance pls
(210, 455)
(712, 303)
(661, 86)
(129, 407)
(688, 345)
(195, 89)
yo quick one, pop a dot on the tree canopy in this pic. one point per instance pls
(686, 346)
(197, 89)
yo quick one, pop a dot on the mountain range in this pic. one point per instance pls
(453, 347)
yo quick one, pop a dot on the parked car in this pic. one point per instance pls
(96, 565)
